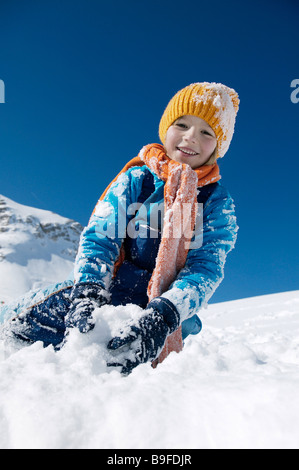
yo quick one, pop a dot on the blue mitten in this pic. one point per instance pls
(85, 298)
(145, 340)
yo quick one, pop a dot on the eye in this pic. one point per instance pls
(207, 133)
(182, 125)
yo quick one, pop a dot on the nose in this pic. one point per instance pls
(190, 134)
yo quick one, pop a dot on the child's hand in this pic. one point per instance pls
(85, 298)
(146, 339)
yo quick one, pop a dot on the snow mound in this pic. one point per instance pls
(235, 385)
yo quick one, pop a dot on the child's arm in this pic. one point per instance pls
(101, 240)
(204, 268)
(98, 251)
(194, 285)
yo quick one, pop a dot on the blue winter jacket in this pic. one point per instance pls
(130, 215)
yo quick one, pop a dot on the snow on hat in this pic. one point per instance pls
(217, 104)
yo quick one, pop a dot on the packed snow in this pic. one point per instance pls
(235, 385)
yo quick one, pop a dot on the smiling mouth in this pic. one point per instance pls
(187, 151)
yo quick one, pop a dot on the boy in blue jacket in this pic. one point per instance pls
(158, 237)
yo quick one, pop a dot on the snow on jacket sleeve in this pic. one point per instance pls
(101, 240)
(204, 268)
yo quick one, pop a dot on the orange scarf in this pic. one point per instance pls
(180, 193)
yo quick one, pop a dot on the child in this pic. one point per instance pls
(168, 262)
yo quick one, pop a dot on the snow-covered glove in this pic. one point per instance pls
(145, 340)
(85, 298)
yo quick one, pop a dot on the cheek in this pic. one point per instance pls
(169, 140)
(210, 146)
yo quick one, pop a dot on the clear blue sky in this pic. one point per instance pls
(86, 83)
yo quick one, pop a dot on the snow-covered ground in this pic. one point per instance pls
(235, 385)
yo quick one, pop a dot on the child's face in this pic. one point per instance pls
(190, 140)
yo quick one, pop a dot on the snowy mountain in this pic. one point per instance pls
(235, 385)
(37, 248)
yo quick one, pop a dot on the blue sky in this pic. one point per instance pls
(86, 83)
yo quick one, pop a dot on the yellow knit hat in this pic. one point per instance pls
(215, 103)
